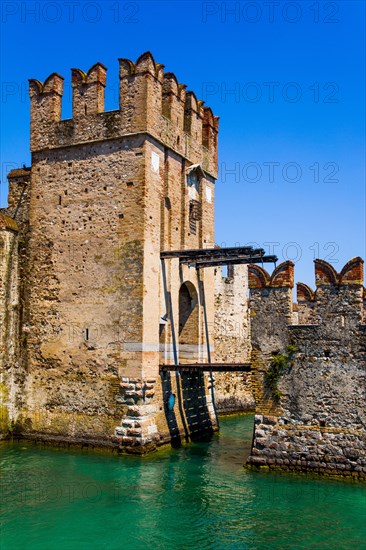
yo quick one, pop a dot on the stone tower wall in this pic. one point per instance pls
(14, 229)
(10, 372)
(109, 191)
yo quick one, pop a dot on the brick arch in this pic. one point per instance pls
(283, 275)
(304, 293)
(78, 76)
(325, 274)
(258, 277)
(188, 314)
(352, 272)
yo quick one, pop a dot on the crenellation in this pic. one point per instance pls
(339, 296)
(46, 100)
(174, 97)
(151, 102)
(305, 304)
(208, 128)
(352, 272)
(141, 94)
(193, 116)
(88, 90)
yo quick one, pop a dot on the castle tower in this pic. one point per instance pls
(109, 192)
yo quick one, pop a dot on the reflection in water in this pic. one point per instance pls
(198, 496)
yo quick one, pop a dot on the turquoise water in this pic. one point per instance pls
(196, 497)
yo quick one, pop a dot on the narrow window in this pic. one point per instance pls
(86, 334)
(192, 221)
(194, 216)
(59, 200)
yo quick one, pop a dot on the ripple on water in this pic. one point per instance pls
(197, 497)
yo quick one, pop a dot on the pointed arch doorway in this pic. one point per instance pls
(188, 323)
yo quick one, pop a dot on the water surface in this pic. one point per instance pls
(195, 497)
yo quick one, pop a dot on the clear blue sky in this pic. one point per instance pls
(292, 132)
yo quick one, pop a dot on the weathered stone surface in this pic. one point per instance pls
(233, 391)
(320, 418)
(86, 290)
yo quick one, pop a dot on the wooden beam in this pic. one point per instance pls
(207, 367)
(212, 252)
(232, 261)
(211, 257)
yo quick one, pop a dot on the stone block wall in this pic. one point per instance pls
(316, 421)
(233, 391)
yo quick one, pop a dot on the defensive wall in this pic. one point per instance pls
(309, 373)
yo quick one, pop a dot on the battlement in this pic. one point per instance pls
(88, 90)
(338, 296)
(325, 328)
(149, 102)
(282, 276)
(326, 275)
